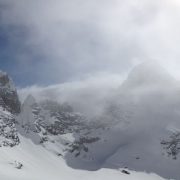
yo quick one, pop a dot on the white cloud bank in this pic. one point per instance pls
(87, 95)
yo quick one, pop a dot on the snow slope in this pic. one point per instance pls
(40, 164)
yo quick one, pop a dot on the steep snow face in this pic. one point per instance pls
(8, 94)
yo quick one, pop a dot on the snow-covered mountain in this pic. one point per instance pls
(137, 131)
(143, 126)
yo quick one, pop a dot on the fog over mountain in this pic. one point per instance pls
(97, 91)
(134, 125)
(89, 89)
(125, 126)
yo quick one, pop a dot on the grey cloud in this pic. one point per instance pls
(76, 38)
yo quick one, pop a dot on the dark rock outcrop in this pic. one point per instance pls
(9, 107)
(8, 94)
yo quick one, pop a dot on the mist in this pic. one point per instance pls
(93, 96)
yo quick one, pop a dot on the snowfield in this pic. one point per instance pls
(40, 164)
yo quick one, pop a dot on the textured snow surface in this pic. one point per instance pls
(40, 164)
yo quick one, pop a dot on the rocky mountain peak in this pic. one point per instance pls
(30, 100)
(8, 94)
(6, 81)
(9, 105)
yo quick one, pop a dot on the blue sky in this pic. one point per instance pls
(12, 50)
(46, 42)
(25, 65)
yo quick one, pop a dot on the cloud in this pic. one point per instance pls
(73, 38)
(86, 96)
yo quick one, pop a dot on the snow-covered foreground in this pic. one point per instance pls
(40, 164)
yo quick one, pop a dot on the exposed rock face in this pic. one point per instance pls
(8, 132)
(8, 94)
(9, 106)
(172, 145)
